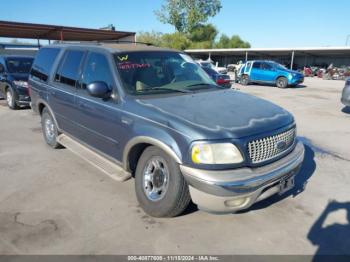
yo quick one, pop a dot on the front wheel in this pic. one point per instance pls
(282, 82)
(10, 99)
(160, 187)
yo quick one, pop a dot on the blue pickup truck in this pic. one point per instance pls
(269, 72)
(153, 114)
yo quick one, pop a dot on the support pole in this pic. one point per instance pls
(246, 56)
(61, 35)
(38, 43)
(292, 61)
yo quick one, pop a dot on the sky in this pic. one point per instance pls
(263, 23)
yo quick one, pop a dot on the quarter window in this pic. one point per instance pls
(43, 63)
(68, 72)
(97, 69)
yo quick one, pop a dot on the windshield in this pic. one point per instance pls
(160, 72)
(281, 67)
(19, 65)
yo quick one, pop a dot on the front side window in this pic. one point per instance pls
(147, 72)
(68, 72)
(266, 66)
(19, 64)
(97, 69)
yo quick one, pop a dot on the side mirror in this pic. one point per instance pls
(98, 89)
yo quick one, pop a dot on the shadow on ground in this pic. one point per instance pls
(333, 239)
(273, 85)
(346, 110)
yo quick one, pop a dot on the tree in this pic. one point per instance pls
(176, 40)
(185, 15)
(202, 33)
(234, 42)
(224, 42)
(153, 37)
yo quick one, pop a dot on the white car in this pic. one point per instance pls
(221, 70)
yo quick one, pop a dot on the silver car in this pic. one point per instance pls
(345, 98)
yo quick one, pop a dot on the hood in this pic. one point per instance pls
(292, 71)
(216, 114)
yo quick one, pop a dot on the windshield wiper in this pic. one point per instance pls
(202, 84)
(170, 89)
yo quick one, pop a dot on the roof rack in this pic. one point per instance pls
(126, 41)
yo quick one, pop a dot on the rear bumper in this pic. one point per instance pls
(232, 190)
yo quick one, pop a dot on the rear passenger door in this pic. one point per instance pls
(62, 96)
(99, 119)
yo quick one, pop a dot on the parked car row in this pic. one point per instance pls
(155, 115)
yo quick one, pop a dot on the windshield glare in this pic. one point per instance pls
(160, 72)
(19, 65)
(282, 67)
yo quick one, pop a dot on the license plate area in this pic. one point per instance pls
(286, 184)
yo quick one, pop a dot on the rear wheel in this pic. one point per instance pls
(10, 99)
(282, 82)
(160, 187)
(244, 80)
(49, 128)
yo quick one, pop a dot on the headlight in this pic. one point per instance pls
(21, 83)
(220, 153)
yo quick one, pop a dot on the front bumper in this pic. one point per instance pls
(345, 98)
(228, 191)
(296, 81)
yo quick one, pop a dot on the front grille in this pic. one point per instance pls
(269, 147)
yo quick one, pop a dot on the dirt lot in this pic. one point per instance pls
(52, 202)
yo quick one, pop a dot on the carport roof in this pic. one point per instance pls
(54, 32)
(341, 50)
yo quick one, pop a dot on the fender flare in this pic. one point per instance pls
(41, 101)
(148, 140)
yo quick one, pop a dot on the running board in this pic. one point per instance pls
(106, 166)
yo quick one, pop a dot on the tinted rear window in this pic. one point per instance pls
(68, 71)
(43, 63)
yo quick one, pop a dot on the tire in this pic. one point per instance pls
(11, 99)
(244, 80)
(282, 82)
(156, 169)
(49, 129)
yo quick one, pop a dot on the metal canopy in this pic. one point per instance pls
(54, 32)
(317, 51)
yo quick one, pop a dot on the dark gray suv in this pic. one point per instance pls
(153, 114)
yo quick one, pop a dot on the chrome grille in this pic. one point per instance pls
(267, 148)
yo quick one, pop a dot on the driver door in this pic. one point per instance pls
(99, 119)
